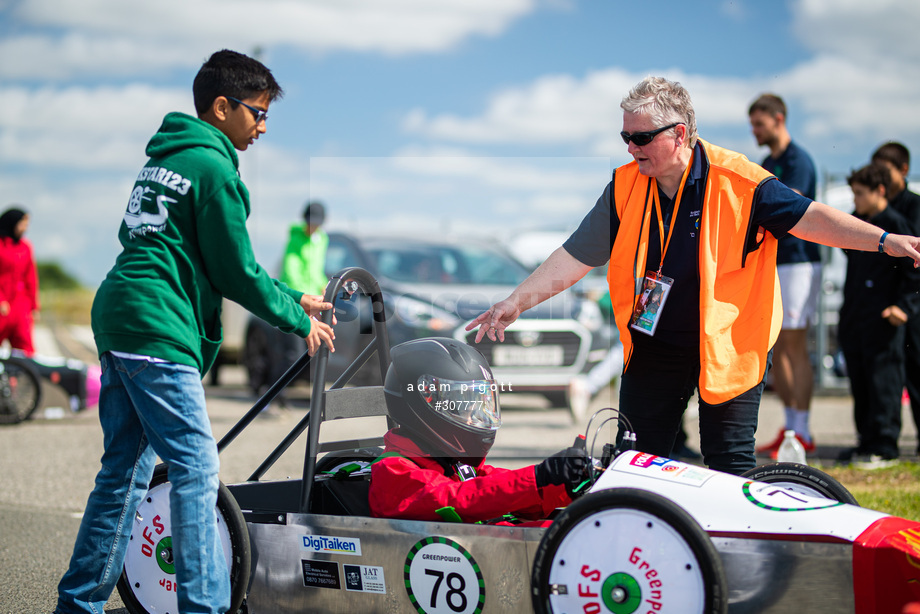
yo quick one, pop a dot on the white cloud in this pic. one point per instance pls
(495, 192)
(518, 173)
(83, 127)
(42, 56)
(551, 109)
(842, 98)
(563, 109)
(117, 37)
(860, 88)
(74, 223)
(877, 31)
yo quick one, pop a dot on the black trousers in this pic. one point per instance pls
(654, 392)
(874, 353)
(912, 367)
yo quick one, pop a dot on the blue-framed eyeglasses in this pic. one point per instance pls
(259, 115)
(644, 138)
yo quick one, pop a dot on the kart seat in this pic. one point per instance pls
(343, 481)
(343, 473)
(342, 461)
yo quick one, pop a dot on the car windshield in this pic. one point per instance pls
(446, 264)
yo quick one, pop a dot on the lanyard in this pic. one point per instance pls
(665, 243)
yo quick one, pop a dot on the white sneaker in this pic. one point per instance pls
(579, 397)
(873, 461)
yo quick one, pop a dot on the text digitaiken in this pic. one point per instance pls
(339, 545)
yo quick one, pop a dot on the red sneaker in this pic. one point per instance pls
(809, 447)
(772, 449)
(773, 446)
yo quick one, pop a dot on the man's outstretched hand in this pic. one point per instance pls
(493, 323)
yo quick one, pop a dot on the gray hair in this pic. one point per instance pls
(665, 102)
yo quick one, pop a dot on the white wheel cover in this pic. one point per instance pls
(149, 570)
(624, 560)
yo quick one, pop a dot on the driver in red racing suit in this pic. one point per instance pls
(442, 394)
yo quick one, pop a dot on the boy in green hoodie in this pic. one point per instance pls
(156, 321)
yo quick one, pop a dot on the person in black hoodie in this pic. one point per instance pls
(906, 202)
(880, 296)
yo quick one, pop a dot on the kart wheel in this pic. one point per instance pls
(623, 549)
(20, 390)
(258, 360)
(802, 479)
(148, 580)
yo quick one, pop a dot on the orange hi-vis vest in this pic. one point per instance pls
(741, 310)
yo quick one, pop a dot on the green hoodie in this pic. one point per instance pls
(184, 247)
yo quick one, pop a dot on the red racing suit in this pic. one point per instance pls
(19, 290)
(408, 483)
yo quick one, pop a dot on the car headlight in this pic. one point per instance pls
(420, 314)
(589, 316)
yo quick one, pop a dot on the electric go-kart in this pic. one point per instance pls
(651, 535)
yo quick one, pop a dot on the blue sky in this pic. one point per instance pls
(479, 117)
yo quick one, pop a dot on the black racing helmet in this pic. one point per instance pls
(443, 393)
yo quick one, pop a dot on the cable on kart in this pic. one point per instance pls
(609, 450)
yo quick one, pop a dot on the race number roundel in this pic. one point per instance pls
(443, 578)
(777, 498)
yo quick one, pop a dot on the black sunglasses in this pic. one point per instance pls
(644, 138)
(259, 115)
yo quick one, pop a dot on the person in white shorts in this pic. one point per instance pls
(799, 270)
(800, 284)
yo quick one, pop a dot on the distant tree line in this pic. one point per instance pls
(51, 276)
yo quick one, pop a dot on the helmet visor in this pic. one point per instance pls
(471, 403)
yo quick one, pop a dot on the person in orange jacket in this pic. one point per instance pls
(443, 396)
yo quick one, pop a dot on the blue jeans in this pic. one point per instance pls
(654, 392)
(149, 409)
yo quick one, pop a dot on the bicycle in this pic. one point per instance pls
(20, 390)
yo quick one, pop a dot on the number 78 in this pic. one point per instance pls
(455, 586)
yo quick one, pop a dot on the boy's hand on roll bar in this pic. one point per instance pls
(320, 333)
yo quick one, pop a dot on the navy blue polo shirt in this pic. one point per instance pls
(795, 169)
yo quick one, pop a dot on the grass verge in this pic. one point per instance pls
(894, 490)
(66, 306)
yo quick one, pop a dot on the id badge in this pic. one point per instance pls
(651, 301)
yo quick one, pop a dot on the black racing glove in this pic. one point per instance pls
(567, 468)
